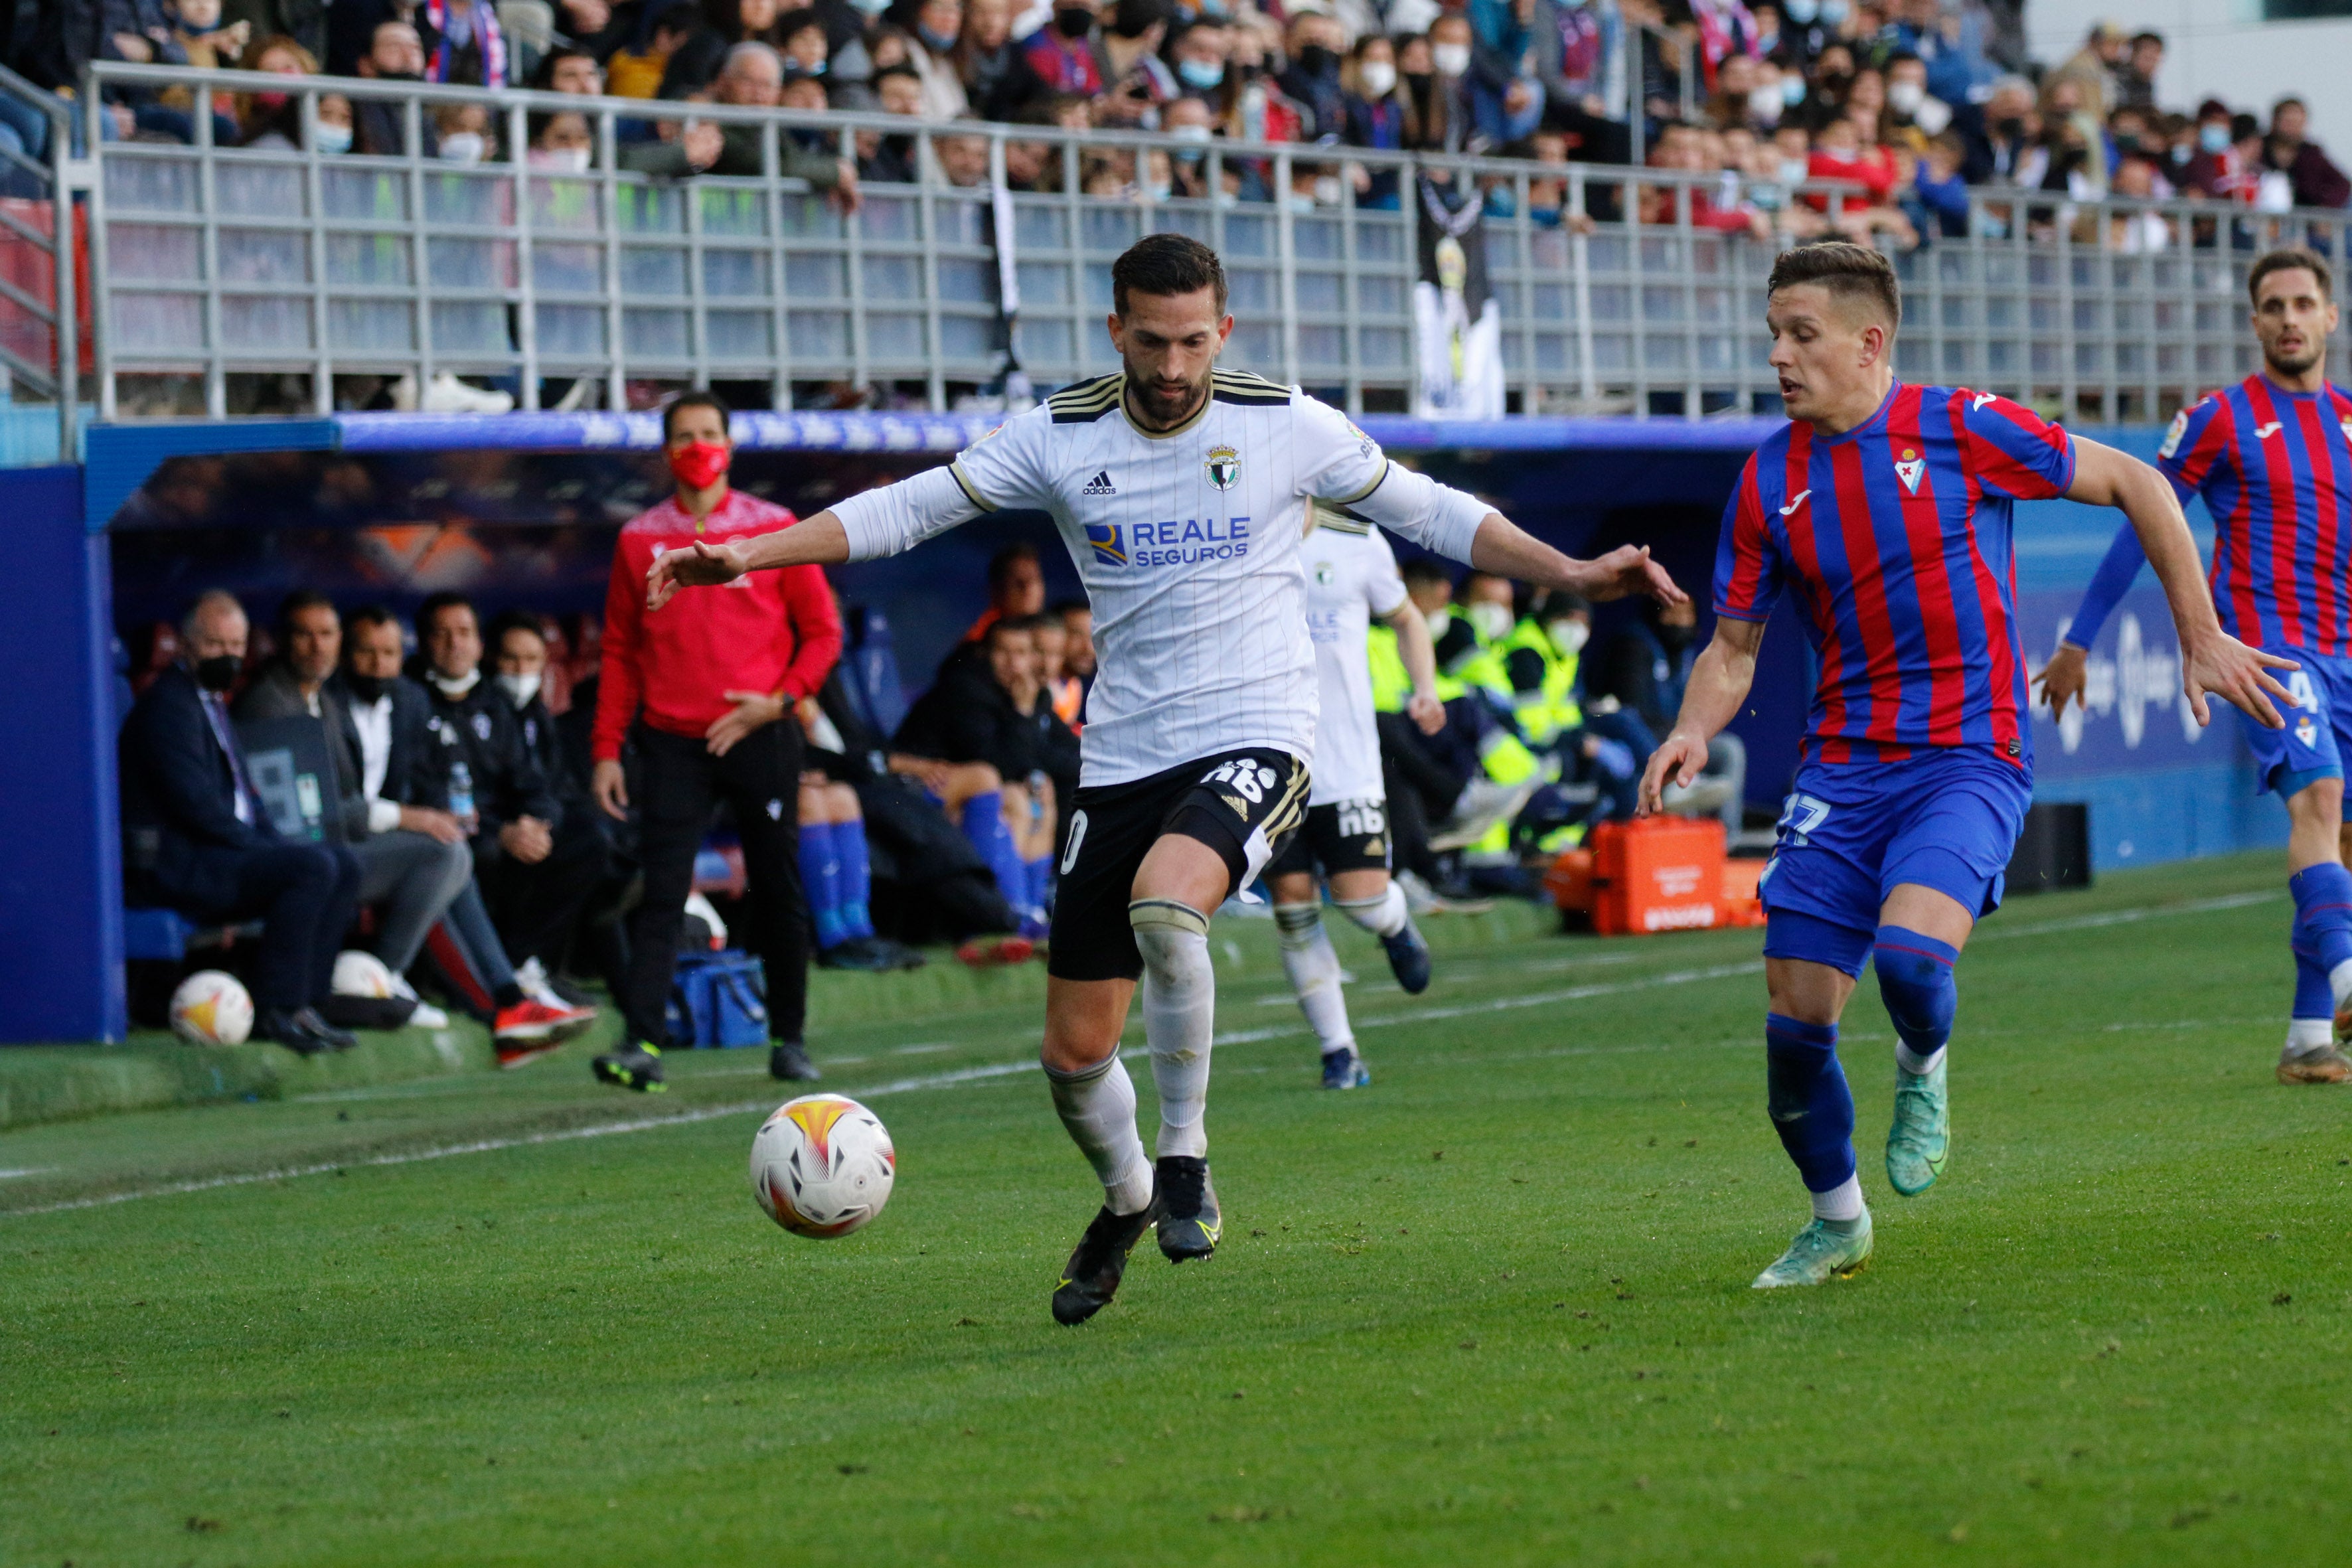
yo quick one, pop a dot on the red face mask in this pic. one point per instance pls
(698, 465)
(273, 101)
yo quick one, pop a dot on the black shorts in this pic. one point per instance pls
(1244, 804)
(1344, 835)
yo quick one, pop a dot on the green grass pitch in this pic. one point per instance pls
(1493, 1309)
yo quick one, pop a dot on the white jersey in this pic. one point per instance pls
(1188, 543)
(1351, 576)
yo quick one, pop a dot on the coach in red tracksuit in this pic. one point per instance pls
(708, 682)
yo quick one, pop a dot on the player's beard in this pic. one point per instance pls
(1161, 406)
(2297, 365)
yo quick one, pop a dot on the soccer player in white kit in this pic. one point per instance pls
(1351, 578)
(1181, 490)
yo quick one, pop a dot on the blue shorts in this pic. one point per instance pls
(2318, 727)
(1853, 833)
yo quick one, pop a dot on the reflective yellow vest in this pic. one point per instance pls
(1391, 685)
(1550, 708)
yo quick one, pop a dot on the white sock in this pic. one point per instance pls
(1179, 1004)
(1911, 1061)
(2304, 1036)
(1314, 971)
(1842, 1203)
(1096, 1106)
(2339, 980)
(1383, 916)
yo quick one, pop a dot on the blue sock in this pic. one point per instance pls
(983, 824)
(1914, 979)
(1040, 872)
(821, 877)
(1812, 1108)
(2323, 913)
(856, 879)
(2313, 998)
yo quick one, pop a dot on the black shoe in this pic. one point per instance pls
(284, 1026)
(788, 1063)
(1407, 958)
(636, 1066)
(336, 1039)
(1090, 1278)
(572, 995)
(859, 953)
(899, 954)
(1190, 1222)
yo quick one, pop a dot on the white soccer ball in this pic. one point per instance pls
(361, 974)
(823, 1165)
(212, 1008)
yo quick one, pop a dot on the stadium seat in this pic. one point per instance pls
(166, 936)
(869, 669)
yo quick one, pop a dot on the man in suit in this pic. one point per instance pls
(197, 840)
(413, 860)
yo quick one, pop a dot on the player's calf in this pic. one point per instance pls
(1387, 917)
(1914, 979)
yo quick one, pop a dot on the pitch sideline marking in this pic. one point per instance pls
(1006, 1069)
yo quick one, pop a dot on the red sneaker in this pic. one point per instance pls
(981, 954)
(519, 1053)
(530, 1019)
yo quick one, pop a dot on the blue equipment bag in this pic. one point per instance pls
(718, 999)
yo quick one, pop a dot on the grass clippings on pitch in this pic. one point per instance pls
(1493, 1309)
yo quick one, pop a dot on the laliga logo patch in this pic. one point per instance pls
(1224, 467)
(1104, 537)
(1910, 468)
(2172, 437)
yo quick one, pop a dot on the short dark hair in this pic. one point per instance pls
(2139, 39)
(545, 75)
(1162, 265)
(1421, 569)
(1848, 272)
(1005, 624)
(1062, 608)
(887, 72)
(684, 17)
(698, 398)
(495, 636)
(295, 602)
(446, 599)
(1000, 565)
(2287, 261)
(372, 616)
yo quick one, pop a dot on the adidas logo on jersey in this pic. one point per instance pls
(1100, 485)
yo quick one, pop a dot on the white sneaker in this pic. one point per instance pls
(532, 977)
(444, 394)
(426, 1015)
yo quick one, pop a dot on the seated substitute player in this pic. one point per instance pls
(1887, 509)
(1181, 490)
(1351, 578)
(2272, 457)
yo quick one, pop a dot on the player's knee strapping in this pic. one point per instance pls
(1915, 978)
(1812, 1108)
(2323, 916)
(1179, 1010)
(1383, 916)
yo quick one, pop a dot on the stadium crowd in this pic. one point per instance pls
(511, 807)
(1909, 103)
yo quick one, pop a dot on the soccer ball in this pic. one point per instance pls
(361, 974)
(822, 1165)
(212, 1008)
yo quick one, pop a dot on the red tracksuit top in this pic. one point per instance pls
(767, 631)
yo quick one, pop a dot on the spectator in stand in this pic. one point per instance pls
(753, 77)
(638, 73)
(2136, 233)
(1137, 81)
(1942, 194)
(2317, 181)
(1078, 617)
(1914, 117)
(931, 29)
(1839, 155)
(893, 160)
(1580, 57)
(998, 79)
(2213, 170)
(599, 26)
(2135, 78)
(1190, 119)
(380, 125)
(963, 160)
(1198, 54)
(564, 69)
(1444, 102)
(304, 21)
(1016, 588)
(270, 119)
(1312, 79)
(2092, 71)
(695, 64)
(1377, 111)
(1681, 147)
(1506, 101)
(1066, 54)
(465, 47)
(2012, 132)
(801, 40)
(713, 675)
(412, 860)
(465, 133)
(197, 840)
(1064, 692)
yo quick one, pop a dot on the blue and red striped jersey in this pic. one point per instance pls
(2275, 469)
(1896, 537)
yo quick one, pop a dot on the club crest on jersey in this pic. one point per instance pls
(1224, 465)
(2345, 425)
(1323, 572)
(1104, 537)
(1909, 468)
(2307, 732)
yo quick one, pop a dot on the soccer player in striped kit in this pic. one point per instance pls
(2273, 458)
(1884, 510)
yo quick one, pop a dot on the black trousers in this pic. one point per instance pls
(306, 896)
(679, 782)
(536, 906)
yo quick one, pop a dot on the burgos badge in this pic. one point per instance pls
(1224, 468)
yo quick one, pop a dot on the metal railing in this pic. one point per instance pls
(218, 264)
(40, 345)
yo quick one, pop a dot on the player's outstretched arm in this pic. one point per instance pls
(1502, 547)
(2211, 659)
(1419, 656)
(1719, 679)
(819, 541)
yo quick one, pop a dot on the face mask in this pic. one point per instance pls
(871, 8)
(1299, 203)
(462, 147)
(1570, 637)
(942, 43)
(1159, 190)
(519, 689)
(368, 688)
(2213, 139)
(1191, 133)
(1802, 12)
(1906, 96)
(453, 686)
(218, 673)
(1201, 75)
(1792, 91)
(562, 160)
(1932, 116)
(698, 465)
(1792, 169)
(272, 101)
(1764, 105)
(1317, 60)
(1329, 192)
(334, 138)
(1074, 22)
(1451, 60)
(1490, 620)
(2013, 128)
(1832, 12)
(1378, 78)
(1439, 619)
